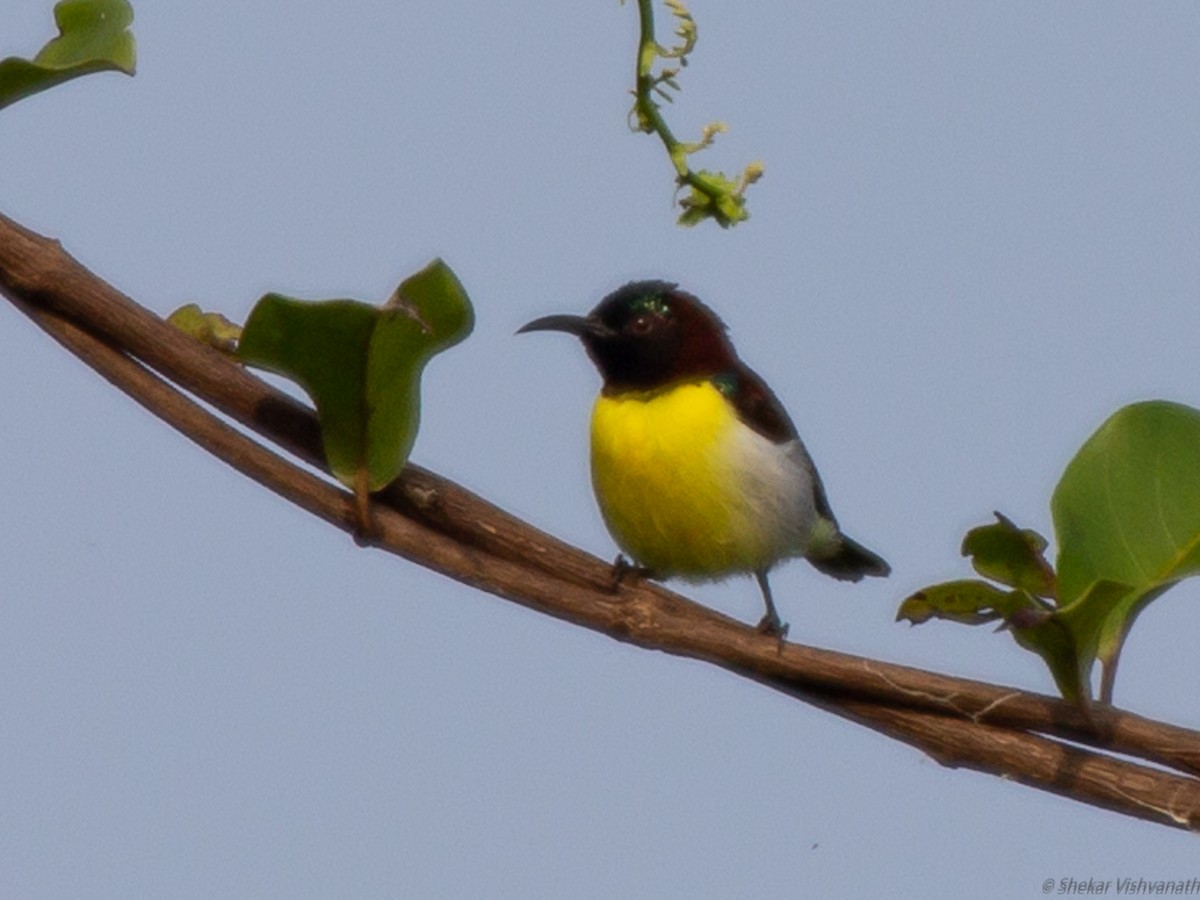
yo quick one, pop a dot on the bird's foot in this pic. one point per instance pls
(624, 571)
(771, 624)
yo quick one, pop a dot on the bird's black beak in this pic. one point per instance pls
(576, 325)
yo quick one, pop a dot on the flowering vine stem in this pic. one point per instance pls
(711, 195)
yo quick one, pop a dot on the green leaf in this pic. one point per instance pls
(323, 348)
(1127, 512)
(969, 601)
(1010, 555)
(361, 365)
(1128, 506)
(94, 37)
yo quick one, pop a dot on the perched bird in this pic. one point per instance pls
(697, 468)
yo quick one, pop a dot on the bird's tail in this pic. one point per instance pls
(850, 561)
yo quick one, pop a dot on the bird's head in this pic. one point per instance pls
(648, 334)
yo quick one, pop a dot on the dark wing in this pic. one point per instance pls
(756, 404)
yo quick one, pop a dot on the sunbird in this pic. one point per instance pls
(697, 468)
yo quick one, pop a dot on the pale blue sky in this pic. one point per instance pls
(977, 237)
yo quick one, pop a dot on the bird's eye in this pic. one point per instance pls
(640, 325)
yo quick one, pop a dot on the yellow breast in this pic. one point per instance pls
(687, 490)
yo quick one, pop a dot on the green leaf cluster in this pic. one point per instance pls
(1127, 522)
(93, 36)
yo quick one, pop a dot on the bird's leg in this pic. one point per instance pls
(623, 570)
(771, 623)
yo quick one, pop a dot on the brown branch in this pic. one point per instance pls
(447, 528)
